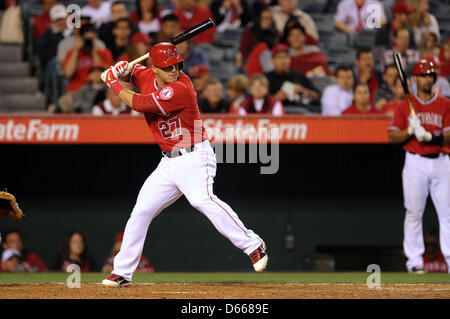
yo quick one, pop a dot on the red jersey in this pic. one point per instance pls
(84, 64)
(171, 112)
(390, 106)
(434, 115)
(352, 110)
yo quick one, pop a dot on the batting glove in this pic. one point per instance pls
(422, 135)
(414, 122)
(111, 81)
(121, 69)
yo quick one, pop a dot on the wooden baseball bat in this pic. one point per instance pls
(403, 79)
(192, 32)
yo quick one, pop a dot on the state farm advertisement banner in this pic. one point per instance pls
(289, 129)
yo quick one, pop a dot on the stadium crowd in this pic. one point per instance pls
(280, 63)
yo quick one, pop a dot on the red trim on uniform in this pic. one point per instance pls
(207, 190)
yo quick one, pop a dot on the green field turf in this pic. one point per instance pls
(238, 277)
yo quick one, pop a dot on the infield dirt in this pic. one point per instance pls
(226, 291)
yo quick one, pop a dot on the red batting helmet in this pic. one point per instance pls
(424, 67)
(164, 54)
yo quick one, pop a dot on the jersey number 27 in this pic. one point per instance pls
(170, 128)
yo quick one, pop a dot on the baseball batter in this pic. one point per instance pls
(425, 139)
(188, 165)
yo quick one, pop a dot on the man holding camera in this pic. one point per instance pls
(83, 56)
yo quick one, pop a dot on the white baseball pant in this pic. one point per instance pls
(423, 176)
(191, 174)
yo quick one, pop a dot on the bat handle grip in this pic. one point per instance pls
(141, 58)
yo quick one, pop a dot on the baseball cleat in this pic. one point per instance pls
(417, 270)
(259, 258)
(115, 281)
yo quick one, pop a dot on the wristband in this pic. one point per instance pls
(436, 140)
(116, 87)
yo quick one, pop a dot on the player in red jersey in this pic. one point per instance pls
(188, 165)
(425, 139)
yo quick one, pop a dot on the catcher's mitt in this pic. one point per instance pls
(9, 207)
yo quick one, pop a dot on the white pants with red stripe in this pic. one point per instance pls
(423, 176)
(190, 174)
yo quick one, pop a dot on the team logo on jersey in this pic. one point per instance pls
(166, 93)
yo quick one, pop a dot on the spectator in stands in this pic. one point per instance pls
(259, 100)
(422, 20)
(200, 76)
(212, 100)
(47, 45)
(68, 43)
(361, 101)
(230, 14)
(289, 8)
(74, 251)
(118, 11)
(401, 45)
(112, 105)
(143, 266)
(42, 22)
(401, 14)
(122, 33)
(354, 15)
(287, 85)
(15, 258)
(429, 45)
(337, 97)
(82, 100)
(237, 87)
(399, 95)
(192, 55)
(139, 45)
(444, 59)
(259, 60)
(83, 56)
(386, 91)
(253, 34)
(433, 260)
(441, 86)
(306, 59)
(99, 11)
(365, 71)
(147, 17)
(170, 26)
(189, 14)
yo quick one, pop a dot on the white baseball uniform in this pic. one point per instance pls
(426, 171)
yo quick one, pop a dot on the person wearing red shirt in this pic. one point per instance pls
(444, 59)
(425, 139)
(259, 101)
(147, 17)
(12, 240)
(188, 166)
(361, 102)
(365, 64)
(83, 56)
(42, 22)
(189, 14)
(74, 251)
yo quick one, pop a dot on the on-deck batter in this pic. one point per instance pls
(427, 165)
(188, 165)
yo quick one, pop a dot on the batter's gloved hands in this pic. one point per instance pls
(414, 122)
(121, 69)
(109, 77)
(422, 135)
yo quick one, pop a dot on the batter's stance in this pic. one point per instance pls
(188, 165)
(425, 139)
